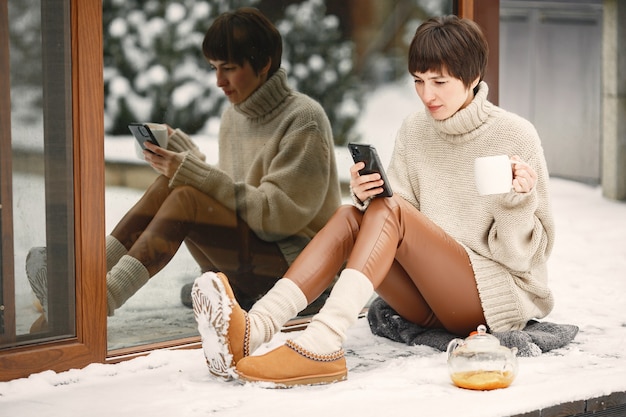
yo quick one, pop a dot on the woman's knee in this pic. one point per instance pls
(190, 197)
(350, 213)
(186, 190)
(347, 211)
(346, 214)
(382, 205)
(199, 207)
(157, 192)
(160, 184)
(383, 213)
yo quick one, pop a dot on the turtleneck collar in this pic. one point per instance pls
(464, 124)
(267, 97)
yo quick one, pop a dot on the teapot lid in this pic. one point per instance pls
(481, 340)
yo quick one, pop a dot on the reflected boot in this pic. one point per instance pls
(37, 271)
(124, 280)
(228, 332)
(316, 355)
(37, 274)
(185, 295)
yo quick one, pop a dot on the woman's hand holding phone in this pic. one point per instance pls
(161, 160)
(367, 176)
(367, 185)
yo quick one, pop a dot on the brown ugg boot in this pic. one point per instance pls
(222, 323)
(316, 355)
(291, 364)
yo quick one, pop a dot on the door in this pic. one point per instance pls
(550, 73)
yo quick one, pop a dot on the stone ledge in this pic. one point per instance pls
(612, 405)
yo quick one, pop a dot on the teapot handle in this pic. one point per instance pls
(509, 366)
(510, 363)
(454, 343)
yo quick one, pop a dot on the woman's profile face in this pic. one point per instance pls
(238, 82)
(442, 94)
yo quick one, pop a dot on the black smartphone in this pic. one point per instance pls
(367, 153)
(142, 133)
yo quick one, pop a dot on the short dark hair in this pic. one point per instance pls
(244, 35)
(451, 43)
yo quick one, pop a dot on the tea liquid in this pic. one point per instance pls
(482, 380)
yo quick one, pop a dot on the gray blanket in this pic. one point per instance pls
(536, 338)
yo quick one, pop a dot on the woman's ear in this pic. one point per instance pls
(475, 83)
(266, 68)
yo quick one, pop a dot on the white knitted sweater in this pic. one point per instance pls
(508, 237)
(277, 166)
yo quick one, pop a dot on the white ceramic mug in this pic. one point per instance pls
(493, 174)
(160, 134)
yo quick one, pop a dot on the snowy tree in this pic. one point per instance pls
(320, 64)
(154, 69)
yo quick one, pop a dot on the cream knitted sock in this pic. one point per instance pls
(124, 280)
(114, 251)
(267, 316)
(327, 330)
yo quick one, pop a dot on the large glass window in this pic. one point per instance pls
(37, 199)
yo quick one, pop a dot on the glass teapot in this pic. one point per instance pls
(480, 363)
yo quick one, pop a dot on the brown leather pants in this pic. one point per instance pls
(155, 227)
(419, 270)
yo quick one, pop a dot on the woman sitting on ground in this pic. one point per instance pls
(439, 253)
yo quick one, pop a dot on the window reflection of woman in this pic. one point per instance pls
(252, 213)
(248, 215)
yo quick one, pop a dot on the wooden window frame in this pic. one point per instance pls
(90, 344)
(7, 289)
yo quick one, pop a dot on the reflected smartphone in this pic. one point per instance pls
(367, 153)
(142, 133)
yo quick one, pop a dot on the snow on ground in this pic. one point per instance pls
(587, 271)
